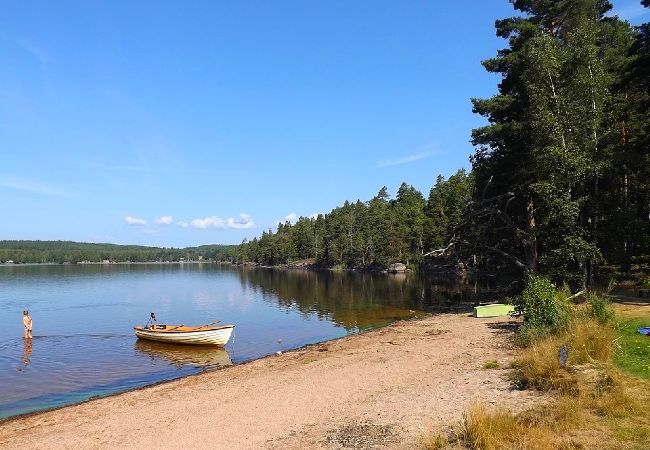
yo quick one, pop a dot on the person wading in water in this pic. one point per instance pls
(27, 322)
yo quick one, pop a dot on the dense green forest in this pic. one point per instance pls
(74, 252)
(369, 234)
(560, 180)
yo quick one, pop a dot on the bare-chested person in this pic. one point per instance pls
(27, 322)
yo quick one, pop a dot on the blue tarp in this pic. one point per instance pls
(644, 330)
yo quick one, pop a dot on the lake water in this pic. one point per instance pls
(84, 346)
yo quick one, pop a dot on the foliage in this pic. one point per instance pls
(371, 234)
(75, 252)
(599, 308)
(561, 169)
(544, 308)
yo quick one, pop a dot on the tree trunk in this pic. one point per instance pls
(530, 242)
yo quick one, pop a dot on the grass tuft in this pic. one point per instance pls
(587, 342)
(499, 429)
(492, 364)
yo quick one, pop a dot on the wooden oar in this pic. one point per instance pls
(209, 325)
(171, 329)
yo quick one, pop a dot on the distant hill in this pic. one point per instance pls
(74, 252)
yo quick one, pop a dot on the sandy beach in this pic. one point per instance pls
(388, 388)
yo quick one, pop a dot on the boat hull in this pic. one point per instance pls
(494, 310)
(217, 336)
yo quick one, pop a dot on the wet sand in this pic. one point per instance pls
(388, 388)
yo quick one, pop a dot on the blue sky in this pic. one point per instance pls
(185, 123)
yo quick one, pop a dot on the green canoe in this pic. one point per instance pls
(494, 310)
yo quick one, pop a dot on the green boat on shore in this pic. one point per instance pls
(493, 310)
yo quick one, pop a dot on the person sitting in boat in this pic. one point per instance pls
(152, 320)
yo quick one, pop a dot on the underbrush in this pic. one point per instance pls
(592, 404)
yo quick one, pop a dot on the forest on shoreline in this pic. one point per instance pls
(560, 178)
(60, 252)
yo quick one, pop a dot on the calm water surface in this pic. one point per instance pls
(83, 316)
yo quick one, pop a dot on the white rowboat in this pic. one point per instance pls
(181, 334)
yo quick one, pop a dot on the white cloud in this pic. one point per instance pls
(209, 222)
(242, 222)
(182, 224)
(291, 217)
(164, 220)
(129, 220)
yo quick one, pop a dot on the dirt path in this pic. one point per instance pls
(383, 389)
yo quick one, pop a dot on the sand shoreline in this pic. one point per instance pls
(383, 388)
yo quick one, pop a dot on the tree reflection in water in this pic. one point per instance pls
(357, 301)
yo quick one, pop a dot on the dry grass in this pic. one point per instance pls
(587, 341)
(612, 419)
(593, 405)
(491, 430)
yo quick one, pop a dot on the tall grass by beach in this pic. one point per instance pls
(597, 399)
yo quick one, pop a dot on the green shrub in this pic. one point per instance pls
(599, 308)
(544, 308)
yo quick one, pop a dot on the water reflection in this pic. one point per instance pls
(27, 352)
(356, 301)
(182, 355)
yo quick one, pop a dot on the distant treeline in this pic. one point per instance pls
(560, 180)
(21, 252)
(370, 234)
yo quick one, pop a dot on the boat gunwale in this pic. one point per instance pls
(147, 330)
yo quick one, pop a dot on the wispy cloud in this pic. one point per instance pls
(424, 152)
(182, 224)
(35, 51)
(136, 221)
(35, 187)
(244, 221)
(164, 220)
